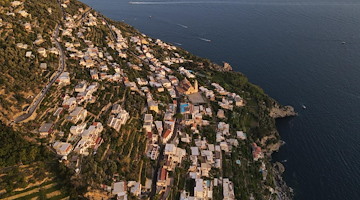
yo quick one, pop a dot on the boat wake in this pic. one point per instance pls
(204, 39)
(177, 43)
(182, 25)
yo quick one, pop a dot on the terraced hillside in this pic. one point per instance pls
(124, 115)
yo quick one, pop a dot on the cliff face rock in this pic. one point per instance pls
(271, 143)
(279, 167)
(227, 67)
(282, 111)
(283, 191)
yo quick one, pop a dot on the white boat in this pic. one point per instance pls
(304, 107)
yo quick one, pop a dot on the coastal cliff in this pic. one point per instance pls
(282, 189)
(114, 59)
(278, 111)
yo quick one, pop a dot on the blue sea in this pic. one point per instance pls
(299, 52)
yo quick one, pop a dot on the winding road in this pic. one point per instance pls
(40, 97)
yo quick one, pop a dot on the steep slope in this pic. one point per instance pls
(26, 27)
(121, 100)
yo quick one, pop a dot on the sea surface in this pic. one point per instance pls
(294, 50)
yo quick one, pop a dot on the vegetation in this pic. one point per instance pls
(20, 76)
(122, 153)
(16, 150)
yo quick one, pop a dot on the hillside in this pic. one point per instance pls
(117, 113)
(25, 29)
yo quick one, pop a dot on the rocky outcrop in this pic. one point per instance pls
(227, 67)
(271, 143)
(282, 189)
(278, 111)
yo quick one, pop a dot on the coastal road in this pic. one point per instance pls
(40, 97)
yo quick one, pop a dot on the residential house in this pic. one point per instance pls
(69, 103)
(135, 188)
(199, 190)
(152, 105)
(46, 129)
(153, 152)
(221, 114)
(120, 190)
(81, 87)
(94, 74)
(62, 148)
(141, 81)
(148, 122)
(173, 80)
(163, 179)
(78, 114)
(239, 101)
(159, 126)
(205, 169)
(42, 52)
(168, 131)
(118, 119)
(28, 54)
(89, 139)
(257, 152)
(173, 156)
(63, 79)
(78, 129)
(43, 66)
(228, 190)
(241, 135)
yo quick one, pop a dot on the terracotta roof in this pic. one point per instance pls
(166, 133)
(163, 174)
(149, 135)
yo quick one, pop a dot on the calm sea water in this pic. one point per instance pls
(292, 49)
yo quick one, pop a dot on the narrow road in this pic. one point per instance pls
(40, 97)
(35, 104)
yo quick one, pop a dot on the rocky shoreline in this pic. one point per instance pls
(278, 111)
(284, 192)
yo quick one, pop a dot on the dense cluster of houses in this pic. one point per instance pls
(188, 107)
(80, 138)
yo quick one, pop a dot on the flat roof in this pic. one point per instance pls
(45, 127)
(196, 98)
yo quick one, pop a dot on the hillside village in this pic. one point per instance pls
(133, 117)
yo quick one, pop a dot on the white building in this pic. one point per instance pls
(62, 148)
(63, 79)
(148, 121)
(228, 190)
